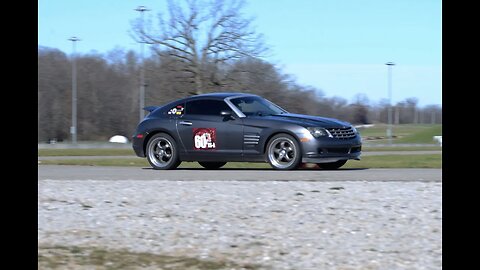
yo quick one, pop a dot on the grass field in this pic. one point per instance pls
(384, 161)
(422, 136)
(85, 152)
(408, 133)
(129, 152)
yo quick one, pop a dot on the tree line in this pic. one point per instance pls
(108, 93)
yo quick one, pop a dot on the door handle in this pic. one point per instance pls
(185, 123)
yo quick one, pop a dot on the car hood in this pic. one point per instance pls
(308, 120)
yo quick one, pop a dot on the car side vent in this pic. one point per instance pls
(342, 133)
(251, 139)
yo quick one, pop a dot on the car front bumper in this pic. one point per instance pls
(326, 150)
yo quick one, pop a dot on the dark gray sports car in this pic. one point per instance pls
(217, 128)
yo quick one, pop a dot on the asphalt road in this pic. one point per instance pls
(64, 172)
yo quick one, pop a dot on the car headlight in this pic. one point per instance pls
(319, 132)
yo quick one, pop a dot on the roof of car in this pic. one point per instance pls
(215, 95)
(221, 95)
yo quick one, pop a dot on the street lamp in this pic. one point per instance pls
(142, 9)
(73, 128)
(389, 128)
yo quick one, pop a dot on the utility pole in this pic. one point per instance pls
(142, 9)
(389, 128)
(73, 128)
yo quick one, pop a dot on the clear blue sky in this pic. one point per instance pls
(337, 46)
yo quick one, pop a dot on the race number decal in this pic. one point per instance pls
(204, 138)
(178, 110)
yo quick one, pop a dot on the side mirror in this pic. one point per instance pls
(227, 114)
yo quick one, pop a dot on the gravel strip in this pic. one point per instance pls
(277, 224)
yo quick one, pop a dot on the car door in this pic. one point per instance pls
(208, 136)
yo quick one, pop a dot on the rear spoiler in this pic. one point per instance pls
(151, 108)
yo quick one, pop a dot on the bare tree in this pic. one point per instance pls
(54, 94)
(204, 36)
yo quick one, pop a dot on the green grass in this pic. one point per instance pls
(142, 162)
(129, 152)
(73, 257)
(384, 161)
(129, 162)
(406, 133)
(398, 161)
(422, 136)
(85, 152)
(401, 130)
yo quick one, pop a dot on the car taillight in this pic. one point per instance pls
(139, 136)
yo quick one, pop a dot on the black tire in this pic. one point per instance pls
(162, 152)
(283, 152)
(332, 165)
(212, 165)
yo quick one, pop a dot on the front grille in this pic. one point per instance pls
(338, 150)
(342, 133)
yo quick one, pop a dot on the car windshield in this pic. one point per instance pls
(256, 106)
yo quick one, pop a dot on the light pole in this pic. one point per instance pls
(389, 128)
(73, 128)
(142, 9)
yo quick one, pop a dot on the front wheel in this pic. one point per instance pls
(283, 152)
(332, 165)
(212, 165)
(162, 152)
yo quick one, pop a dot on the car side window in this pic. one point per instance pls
(206, 107)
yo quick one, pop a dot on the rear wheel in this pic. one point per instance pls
(162, 152)
(332, 165)
(283, 152)
(212, 165)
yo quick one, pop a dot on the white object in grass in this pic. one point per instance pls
(118, 139)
